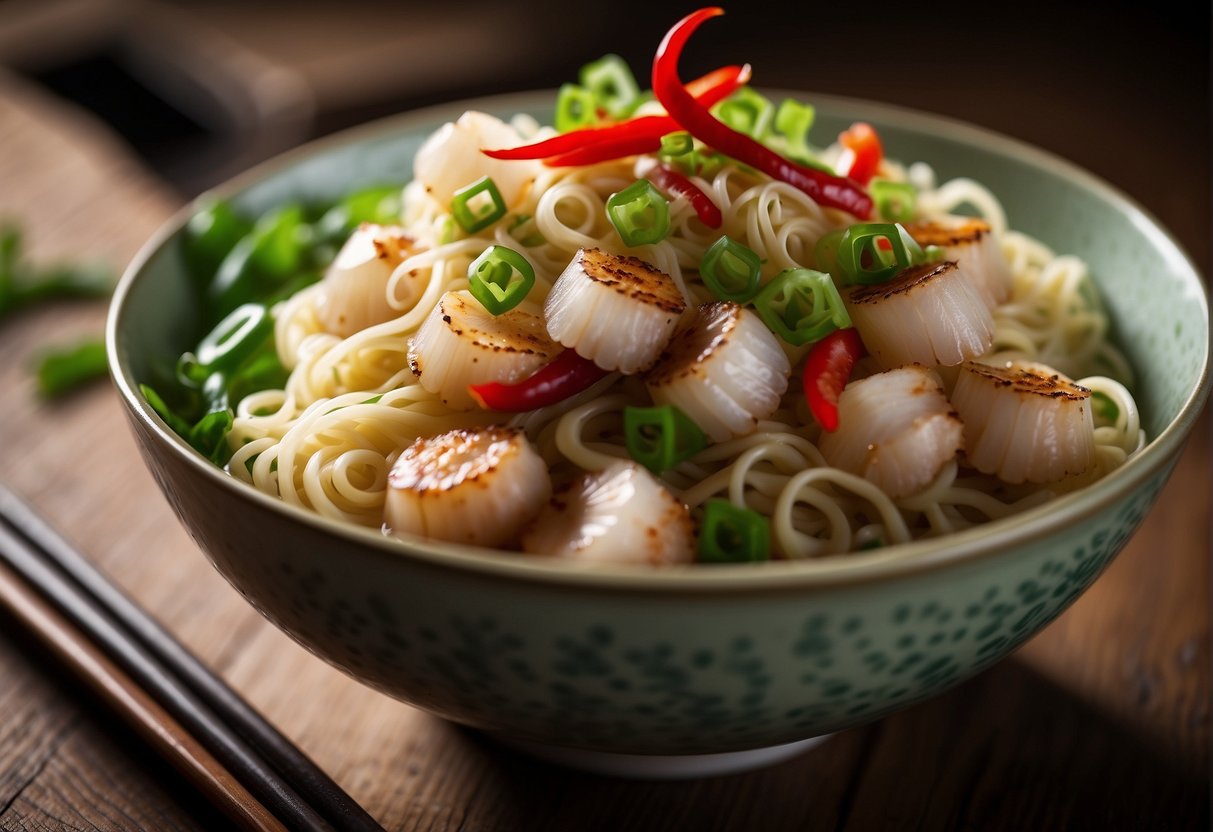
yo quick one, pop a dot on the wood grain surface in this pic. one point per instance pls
(1101, 722)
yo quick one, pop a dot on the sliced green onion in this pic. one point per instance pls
(747, 111)
(477, 206)
(802, 306)
(639, 213)
(500, 278)
(792, 123)
(861, 259)
(235, 338)
(676, 144)
(731, 270)
(530, 240)
(895, 201)
(63, 370)
(610, 80)
(732, 534)
(661, 437)
(575, 107)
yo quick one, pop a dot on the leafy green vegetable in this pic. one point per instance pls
(63, 370)
(24, 284)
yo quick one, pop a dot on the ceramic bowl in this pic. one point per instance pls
(698, 670)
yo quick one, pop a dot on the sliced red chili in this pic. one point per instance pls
(674, 183)
(692, 116)
(865, 150)
(826, 372)
(566, 375)
(604, 150)
(710, 89)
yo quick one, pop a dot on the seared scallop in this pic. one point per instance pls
(479, 487)
(461, 343)
(621, 514)
(354, 292)
(974, 246)
(1024, 423)
(450, 159)
(724, 369)
(895, 429)
(618, 311)
(928, 314)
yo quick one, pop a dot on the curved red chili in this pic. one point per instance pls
(825, 188)
(566, 375)
(826, 372)
(710, 89)
(673, 182)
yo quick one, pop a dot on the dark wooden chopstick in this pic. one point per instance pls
(142, 713)
(268, 765)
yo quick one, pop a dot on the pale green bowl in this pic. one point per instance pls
(718, 667)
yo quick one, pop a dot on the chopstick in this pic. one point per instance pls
(264, 762)
(121, 693)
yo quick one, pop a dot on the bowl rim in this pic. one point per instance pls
(896, 562)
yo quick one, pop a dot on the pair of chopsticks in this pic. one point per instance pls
(211, 735)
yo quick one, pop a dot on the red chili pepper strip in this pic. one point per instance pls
(865, 149)
(833, 191)
(826, 372)
(714, 87)
(673, 182)
(606, 150)
(566, 375)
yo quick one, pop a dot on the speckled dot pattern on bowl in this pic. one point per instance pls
(710, 659)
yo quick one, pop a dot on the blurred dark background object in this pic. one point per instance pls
(204, 88)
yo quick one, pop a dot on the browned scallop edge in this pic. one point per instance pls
(529, 330)
(633, 278)
(903, 282)
(694, 343)
(419, 468)
(938, 234)
(1025, 381)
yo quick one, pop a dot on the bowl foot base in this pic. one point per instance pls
(661, 767)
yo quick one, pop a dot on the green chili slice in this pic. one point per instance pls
(477, 206)
(661, 437)
(611, 82)
(731, 270)
(732, 534)
(790, 129)
(895, 201)
(235, 338)
(747, 111)
(576, 107)
(639, 213)
(802, 306)
(500, 278)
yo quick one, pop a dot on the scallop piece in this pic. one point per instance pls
(467, 486)
(928, 314)
(450, 159)
(1024, 423)
(895, 429)
(461, 343)
(621, 514)
(353, 294)
(724, 369)
(974, 246)
(618, 311)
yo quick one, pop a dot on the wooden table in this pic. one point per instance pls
(1100, 722)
